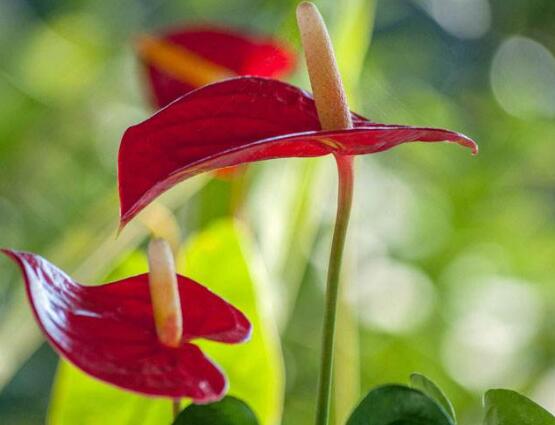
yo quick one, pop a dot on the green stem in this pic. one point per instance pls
(346, 379)
(344, 201)
(176, 407)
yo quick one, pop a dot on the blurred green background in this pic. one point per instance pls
(450, 265)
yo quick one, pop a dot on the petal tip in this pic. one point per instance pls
(246, 329)
(10, 253)
(121, 226)
(211, 394)
(467, 142)
(242, 331)
(212, 397)
(126, 215)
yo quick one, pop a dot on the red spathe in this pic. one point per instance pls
(108, 331)
(238, 121)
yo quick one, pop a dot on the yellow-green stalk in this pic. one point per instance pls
(333, 113)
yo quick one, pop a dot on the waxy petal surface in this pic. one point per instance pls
(238, 121)
(237, 53)
(108, 331)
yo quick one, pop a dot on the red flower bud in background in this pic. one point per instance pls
(185, 59)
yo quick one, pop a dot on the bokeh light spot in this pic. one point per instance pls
(523, 78)
(391, 296)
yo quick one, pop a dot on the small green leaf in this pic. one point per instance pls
(399, 405)
(79, 399)
(422, 383)
(228, 411)
(506, 407)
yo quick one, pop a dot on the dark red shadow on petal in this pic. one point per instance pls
(238, 121)
(241, 53)
(108, 331)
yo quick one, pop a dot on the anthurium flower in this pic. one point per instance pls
(185, 59)
(109, 331)
(238, 121)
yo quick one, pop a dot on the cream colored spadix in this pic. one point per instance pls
(164, 294)
(327, 87)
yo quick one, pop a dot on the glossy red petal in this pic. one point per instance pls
(108, 331)
(241, 54)
(238, 121)
(205, 315)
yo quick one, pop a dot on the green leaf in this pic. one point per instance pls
(229, 411)
(352, 33)
(398, 405)
(80, 399)
(219, 258)
(506, 407)
(422, 383)
(286, 235)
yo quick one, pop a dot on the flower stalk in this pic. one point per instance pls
(176, 407)
(344, 202)
(334, 114)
